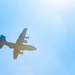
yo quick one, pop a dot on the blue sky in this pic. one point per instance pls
(51, 28)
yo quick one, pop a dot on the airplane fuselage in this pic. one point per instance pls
(20, 46)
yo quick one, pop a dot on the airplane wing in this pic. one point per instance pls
(15, 53)
(20, 40)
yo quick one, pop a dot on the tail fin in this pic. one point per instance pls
(2, 41)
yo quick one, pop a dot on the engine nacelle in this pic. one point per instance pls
(27, 37)
(20, 52)
(25, 41)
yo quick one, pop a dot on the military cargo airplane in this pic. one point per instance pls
(18, 46)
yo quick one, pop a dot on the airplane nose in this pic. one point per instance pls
(34, 48)
(29, 47)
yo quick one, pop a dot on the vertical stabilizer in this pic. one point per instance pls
(2, 41)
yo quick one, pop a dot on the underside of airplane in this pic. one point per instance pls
(18, 46)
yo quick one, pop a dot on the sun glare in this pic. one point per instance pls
(54, 3)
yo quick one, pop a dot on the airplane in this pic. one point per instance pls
(18, 46)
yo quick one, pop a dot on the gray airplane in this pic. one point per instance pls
(18, 46)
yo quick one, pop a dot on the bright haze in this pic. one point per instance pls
(51, 28)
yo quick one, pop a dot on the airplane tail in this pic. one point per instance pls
(2, 41)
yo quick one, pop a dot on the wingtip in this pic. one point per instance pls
(25, 29)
